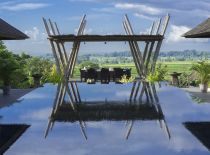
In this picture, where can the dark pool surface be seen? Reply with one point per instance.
(106, 137)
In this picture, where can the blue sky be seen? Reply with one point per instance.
(104, 17)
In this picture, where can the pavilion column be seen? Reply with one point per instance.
(63, 66)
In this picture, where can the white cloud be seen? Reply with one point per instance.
(88, 31)
(139, 7)
(33, 34)
(144, 16)
(147, 31)
(41, 114)
(175, 35)
(23, 6)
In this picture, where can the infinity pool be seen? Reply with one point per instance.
(106, 137)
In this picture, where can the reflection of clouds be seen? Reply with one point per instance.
(40, 115)
(123, 93)
(109, 137)
(146, 138)
(97, 125)
(36, 96)
(176, 104)
(183, 140)
(99, 91)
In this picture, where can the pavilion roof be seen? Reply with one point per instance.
(8, 32)
(200, 31)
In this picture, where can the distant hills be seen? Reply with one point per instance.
(126, 57)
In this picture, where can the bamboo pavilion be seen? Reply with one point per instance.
(145, 63)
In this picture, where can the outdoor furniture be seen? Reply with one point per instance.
(105, 76)
(127, 72)
(83, 75)
(91, 75)
(118, 73)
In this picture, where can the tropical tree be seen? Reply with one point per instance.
(8, 66)
(54, 77)
(38, 69)
(21, 79)
(202, 68)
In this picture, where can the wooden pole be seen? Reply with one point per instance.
(129, 129)
(138, 52)
(57, 101)
(78, 94)
(132, 90)
(62, 44)
(165, 24)
(76, 53)
(137, 90)
(133, 51)
(62, 59)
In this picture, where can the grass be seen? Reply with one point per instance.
(178, 66)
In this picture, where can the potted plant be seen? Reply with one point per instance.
(202, 69)
(125, 79)
(8, 66)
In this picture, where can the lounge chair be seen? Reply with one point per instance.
(118, 73)
(91, 75)
(83, 75)
(105, 76)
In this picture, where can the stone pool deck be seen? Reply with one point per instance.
(195, 91)
(15, 94)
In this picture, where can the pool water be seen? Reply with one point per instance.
(106, 137)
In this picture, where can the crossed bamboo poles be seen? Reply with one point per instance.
(150, 56)
(65, 66)
(145, 64)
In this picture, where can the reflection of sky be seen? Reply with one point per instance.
(106, 137)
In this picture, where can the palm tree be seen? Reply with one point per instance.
(202, 68)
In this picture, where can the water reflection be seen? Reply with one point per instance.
(106, 137)
(82, 111)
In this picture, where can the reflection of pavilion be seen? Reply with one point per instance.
(145, 62)
(129, 111)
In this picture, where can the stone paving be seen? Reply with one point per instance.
(195, 91)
